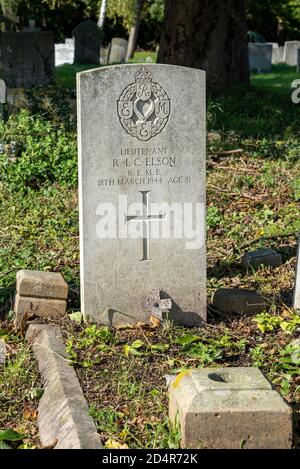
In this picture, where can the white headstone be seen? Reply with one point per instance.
(277, 52)
(296, 300)
(290, 52)
(298, 60)
(118, 50)
(260, 57)
(142, 192)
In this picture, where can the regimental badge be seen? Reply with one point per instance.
(143, 107)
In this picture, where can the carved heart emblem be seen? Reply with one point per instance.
(143, 109)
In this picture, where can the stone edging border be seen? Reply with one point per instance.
(63, 418)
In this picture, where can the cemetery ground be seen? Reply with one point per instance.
(253, 193)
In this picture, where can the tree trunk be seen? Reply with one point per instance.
(135, 29)
(207, 34)
(102, 14)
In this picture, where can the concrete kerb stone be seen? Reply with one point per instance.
(63, 418)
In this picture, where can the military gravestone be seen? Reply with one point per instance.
(87, 43)
(142, 192)
(27, 58)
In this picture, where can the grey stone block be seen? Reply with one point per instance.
(229, 408)
(234, 300)
(266, 256)
(27, 307)
(63, 411)
(40, 284)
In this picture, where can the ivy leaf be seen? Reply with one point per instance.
(160, 347)
(11, 435)
(133, 348)
(187, 339)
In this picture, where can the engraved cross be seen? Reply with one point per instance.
(146, 218)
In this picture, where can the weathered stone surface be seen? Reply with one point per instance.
(41, 284)
(296, 296)
(118, 50)
(229, 408)
(298, 60)
(2, 92)
(234, 300)
(2, 352)
(27, 307)
(142, 188)
(267, 257)
(260, 57)
(27, 59)
(290, 52)
(63, 410)
(87, 43)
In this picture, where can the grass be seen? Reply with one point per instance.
(20, 390)
(66, 74)
(253, 195)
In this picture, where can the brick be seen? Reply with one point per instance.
(229, 408)
(238, 301)
(26, 307)
(41, 284)
(266, 257)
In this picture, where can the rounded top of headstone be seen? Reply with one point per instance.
(86, 26)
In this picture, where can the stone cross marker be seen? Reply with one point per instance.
(142, 192)
(296, 300)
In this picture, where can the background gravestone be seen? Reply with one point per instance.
(260, 57)
(118, 50)
(142, 144)
(87, 43)
(64, 52)
(2, 98)
(298, 60)
(277, 52)
(290, 52)
(27, 59)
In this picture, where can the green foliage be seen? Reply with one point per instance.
(269, 323)
(45, 155)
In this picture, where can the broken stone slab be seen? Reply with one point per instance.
(2, 352)
(238, 301)
(27, 307)
(267, 257)
(42, 284)
(229, 408)
(63, 413)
